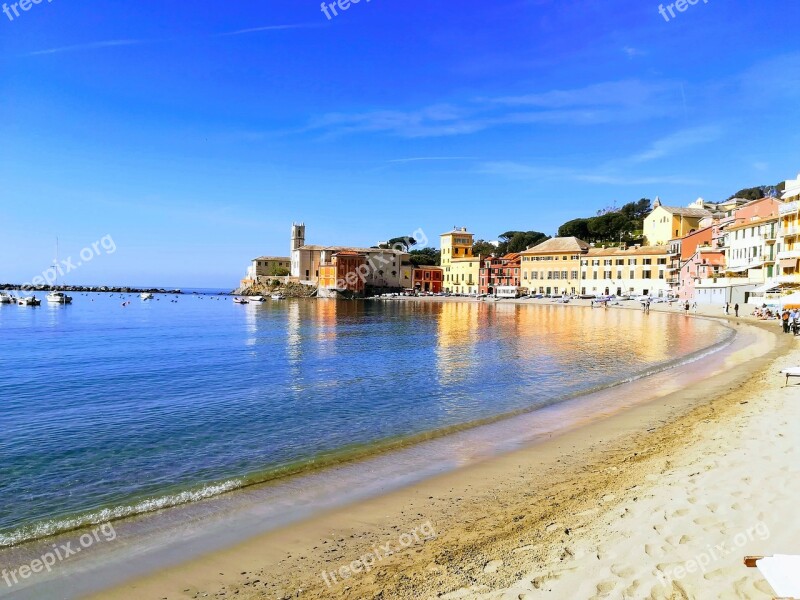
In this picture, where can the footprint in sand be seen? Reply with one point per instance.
(655, 551)
(493, 566)
(623, 571)
(681, 512)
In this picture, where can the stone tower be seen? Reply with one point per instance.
(298, 235)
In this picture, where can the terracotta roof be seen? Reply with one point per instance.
(698, 213)
(556, 245)
(629, 252)
(462, 231)
(281, 258)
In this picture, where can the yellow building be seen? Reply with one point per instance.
(634, 271)
(553, 267)
(667, 223)
(461, 268)
(788, 245)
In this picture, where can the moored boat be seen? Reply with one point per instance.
(6, 299)
(59, 298)
(240, 301)
(29, 301)
(278, 297)
(146, 296)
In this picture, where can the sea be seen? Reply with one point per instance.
(113, 407)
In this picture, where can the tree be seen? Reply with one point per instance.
(517, 241)
(483, 248)
(276, 271)
(405, 241)
(578, 228)
(426, 257)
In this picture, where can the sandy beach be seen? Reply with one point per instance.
(661, 501)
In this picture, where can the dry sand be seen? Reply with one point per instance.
(662, 501)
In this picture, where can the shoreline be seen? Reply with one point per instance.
(555, 461)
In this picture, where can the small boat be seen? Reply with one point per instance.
(278, 297)
(59, 298)
(29, 301)
(256, 299)
(6, 299)
(146, 296)
(240, 301)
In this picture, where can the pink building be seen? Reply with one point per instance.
(707, 263)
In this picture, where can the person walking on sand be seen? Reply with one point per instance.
(736, 309)
(785, 320)
(727, 308)
(686, 307)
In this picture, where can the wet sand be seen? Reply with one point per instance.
(617, 508)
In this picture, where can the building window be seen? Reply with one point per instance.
(646, 274)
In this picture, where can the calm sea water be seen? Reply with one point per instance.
(109, 410)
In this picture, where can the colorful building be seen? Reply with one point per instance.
(553, 267)
(389, 269)
(623, 271)
(497, 271)
(342, 273)
(461, 269)
(701, 274)
(427, 278)
(667, 223)
(788, 246)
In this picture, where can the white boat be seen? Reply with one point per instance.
(278, 297)
(256, 299)
(240, 301)
(146, 296)
(29, 301)
(6, 299)
(55, 297)
(59, 298)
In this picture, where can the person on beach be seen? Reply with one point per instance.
(727, 308)
(785, 320)
(736, 309)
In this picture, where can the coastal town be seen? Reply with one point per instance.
(738, 251)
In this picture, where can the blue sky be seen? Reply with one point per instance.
(195, 133)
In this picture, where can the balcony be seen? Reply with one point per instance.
(793, 278)
(789, 208)
(788, 254)
(789, 231)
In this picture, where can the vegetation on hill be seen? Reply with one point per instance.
(623, 224)
(426, 257)
(761, 191)
(509, 242)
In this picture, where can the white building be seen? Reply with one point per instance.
(792, 190)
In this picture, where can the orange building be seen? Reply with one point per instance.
(345, 273)
(499, 271)
(427, 278)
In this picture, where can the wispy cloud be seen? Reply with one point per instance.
(270, 28)
(90, 46)
(429, 158)
(133, 42)
(521, 171)
(678, 141)
(610, 102)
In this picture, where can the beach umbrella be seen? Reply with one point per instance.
(791, 301)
